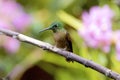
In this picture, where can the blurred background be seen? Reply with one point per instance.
(92, 24)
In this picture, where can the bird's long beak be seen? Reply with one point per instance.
(45, 29)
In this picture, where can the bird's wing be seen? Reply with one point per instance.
(69, 42)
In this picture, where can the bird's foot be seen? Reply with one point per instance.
(68, 59)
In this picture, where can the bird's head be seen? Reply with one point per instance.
(54, 27)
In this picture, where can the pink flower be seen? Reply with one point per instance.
(11, 45)
(118, 51)
(12, 16)
(97, 30)
(116, 37)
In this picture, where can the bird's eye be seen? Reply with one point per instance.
(56, 26)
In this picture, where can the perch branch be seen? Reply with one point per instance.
(46, 46)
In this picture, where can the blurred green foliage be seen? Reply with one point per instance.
(44, 12)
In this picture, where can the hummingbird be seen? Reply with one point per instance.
(61, 37)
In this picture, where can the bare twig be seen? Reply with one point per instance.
(46, 46)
